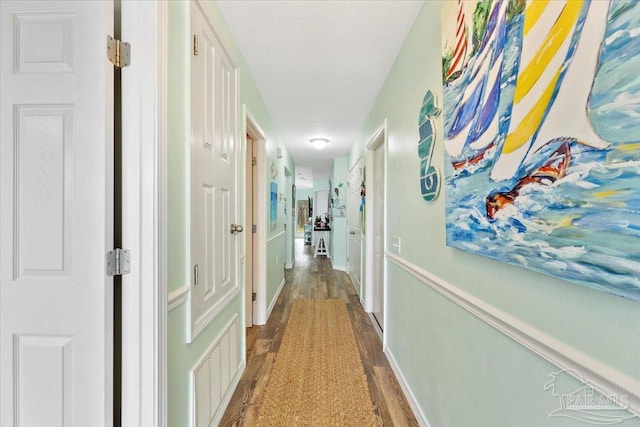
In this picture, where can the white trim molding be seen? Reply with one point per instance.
(275, 237)
(144, 294)
(178, 297)
(203, 321)
(602, 377)
(253, 129)
(377, 139)
(290, 266)
(408, 393)
(338, 267)
(275, 298)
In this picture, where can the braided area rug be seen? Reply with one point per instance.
(318, 378)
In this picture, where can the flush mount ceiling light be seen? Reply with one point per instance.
(319, 143)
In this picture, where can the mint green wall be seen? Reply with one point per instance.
(461, 371)
(339, 224)
(181, 356)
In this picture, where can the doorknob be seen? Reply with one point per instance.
(235, 229)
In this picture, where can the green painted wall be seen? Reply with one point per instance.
(461, 371)
(181, 356)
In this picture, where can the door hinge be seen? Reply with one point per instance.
(118, 262)
(253, 296)
(118, 52)
(254, 161)
(195, 45)
(254, 228)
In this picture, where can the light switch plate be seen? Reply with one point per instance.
(395, 244)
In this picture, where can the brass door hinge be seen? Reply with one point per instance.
(118, 52)
(253, 296)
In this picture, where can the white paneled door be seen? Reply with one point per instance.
(56, 191)
(214, 218)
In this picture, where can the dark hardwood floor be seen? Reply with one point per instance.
(314, 278)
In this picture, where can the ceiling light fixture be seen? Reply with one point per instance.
(319, 143)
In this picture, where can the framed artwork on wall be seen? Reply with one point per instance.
(273, 214)
(542, 137)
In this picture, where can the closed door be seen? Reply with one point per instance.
(354, 267)
(56, 214)
(378, 235)
(214, 221)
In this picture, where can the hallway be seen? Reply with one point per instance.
(314, 278)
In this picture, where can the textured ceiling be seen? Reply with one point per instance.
(319, 65)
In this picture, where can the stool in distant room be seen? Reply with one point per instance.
(322, 243)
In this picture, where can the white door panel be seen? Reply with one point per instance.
(56, 192)
(213, 175)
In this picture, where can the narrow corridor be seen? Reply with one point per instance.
(315, 279)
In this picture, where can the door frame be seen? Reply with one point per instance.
(253, 129)
(358, 286)
(378, 138)
(144, 215)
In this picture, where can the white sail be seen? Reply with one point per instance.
(547, 104)
(455, 144)
(484, 71)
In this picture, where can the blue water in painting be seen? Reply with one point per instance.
(586, 226)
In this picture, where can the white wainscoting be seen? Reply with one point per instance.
(215, 377)
(600, 376)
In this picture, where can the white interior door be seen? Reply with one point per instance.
(354, 266)
(378, 234)
(56, 198)
(214, 113)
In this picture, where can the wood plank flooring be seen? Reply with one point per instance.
(314, 278)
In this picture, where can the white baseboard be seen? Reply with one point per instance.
(339, 267)
(275, 298)
(374, 322)
(290, 266)
(417, 411)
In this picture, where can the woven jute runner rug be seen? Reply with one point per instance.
(318, 378)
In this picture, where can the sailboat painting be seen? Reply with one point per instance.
(541, 103)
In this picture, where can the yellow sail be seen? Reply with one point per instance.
(547, 106)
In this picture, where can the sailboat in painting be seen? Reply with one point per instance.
(461, 50)
(541, 135)
(542, 102)
(475, 125)
(557, 65)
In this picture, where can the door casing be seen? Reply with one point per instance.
(377, 139)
